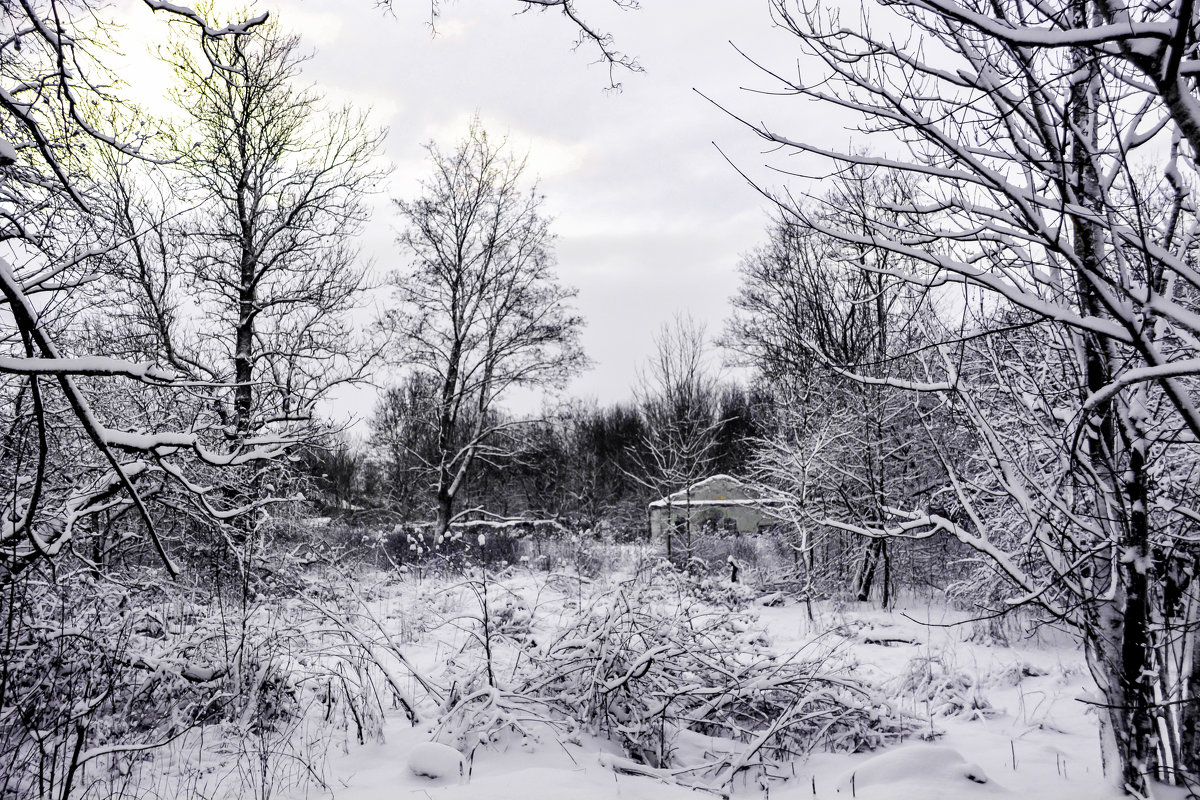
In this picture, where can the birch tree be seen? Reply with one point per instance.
(1050, 155)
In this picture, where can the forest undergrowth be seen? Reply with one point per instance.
(130, 687)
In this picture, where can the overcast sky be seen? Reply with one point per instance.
(650, 219)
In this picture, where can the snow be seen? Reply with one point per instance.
(437, 761)
(740, 502)
(891, 774)
(887, 635)
(1036, 739)
(722, 485)
(1033, 685)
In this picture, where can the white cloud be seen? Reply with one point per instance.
(454, 28)
(318, 29)
(553, 158)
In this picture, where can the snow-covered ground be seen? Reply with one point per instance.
(985, 719)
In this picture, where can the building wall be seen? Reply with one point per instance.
(746, 518)
(719, 502)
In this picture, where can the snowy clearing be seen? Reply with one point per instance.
(560, 694)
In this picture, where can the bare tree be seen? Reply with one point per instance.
(244, 269)
(1048, 176)
(280, 182)
(53, 118)
(806, 313)
(480, 308)
(677, 394)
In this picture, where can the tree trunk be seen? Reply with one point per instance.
(864, 577)
(244, 493)
(445, 512)
(885, 598)
(1121, 646)
(243, 366)
(1125, 760)
(688, 526)
(1183, 605)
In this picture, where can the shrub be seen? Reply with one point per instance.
(656, 670)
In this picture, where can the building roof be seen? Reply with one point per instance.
(717, 490)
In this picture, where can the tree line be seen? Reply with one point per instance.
(587, 466)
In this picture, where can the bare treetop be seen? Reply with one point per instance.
(480, 308)
(54, 116)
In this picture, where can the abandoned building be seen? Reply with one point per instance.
(720, 503)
